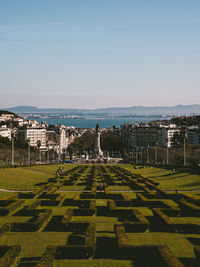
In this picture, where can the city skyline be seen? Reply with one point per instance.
(91, 54)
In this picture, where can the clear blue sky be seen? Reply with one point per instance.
(99, 53)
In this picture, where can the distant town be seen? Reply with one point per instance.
(55, 140)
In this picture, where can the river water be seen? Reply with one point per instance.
(103, 122)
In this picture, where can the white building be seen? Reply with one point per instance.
(35, 135)
(165, 137)
(6, 117)
(63, 140)
(5, 132)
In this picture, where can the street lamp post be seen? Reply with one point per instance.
(167, 155)
(147, 155)
(13, 150)
(141, 156)
(136, 156)
(29, 153)
(184, 151)
(156, 154)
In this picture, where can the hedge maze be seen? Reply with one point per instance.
(99, 212)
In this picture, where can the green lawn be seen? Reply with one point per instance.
(28, 176)
(33, 244)
(178, 244)
(169, 179)
(93, 263)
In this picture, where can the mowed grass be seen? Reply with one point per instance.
(33, 244)
(169, 179)
(178, 244)
(28, 176)
(93, 263)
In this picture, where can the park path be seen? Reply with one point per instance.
(112, 191)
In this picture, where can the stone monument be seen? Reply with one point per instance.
(97, 150)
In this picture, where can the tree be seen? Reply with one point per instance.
(178, 138)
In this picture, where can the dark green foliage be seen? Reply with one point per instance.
(34, 224)
(122, 238)
(197, 251)
(11, 207)
(109, 142)
(10, 255)
(67, 217)
(4, 228)
(48, 257)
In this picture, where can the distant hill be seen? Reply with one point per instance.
(115, 111)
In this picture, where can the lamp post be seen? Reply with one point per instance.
(141, 156)
(156, 154)
(184, 151)
(13, 150)
(167, 155)
(147, 154)
(29, 152)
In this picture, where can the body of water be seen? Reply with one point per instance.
(103, 122)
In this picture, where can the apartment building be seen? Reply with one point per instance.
(35, 135)
(193, 136)
(144, 136)
(5, 132)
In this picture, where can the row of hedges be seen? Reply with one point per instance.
(189, 209)
(55, 201)
(141, 225)
(48, 257)
(164, 223)
(11, 207)
(4, 229)
(79, 245)
(34, 224)
(67, 217)
(10, 255)
(122, 238)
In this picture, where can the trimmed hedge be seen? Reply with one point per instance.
(10, 256)
(189, 209)
(86, 208)
(122, 238)
(111, 205)
(67, 217)
(168, 257)
(197, 251)
(11, 207)
(48, 257)
(141, 225)
(80, 244)
(34, 224)
(4, 229)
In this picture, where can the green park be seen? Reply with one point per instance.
(99, 215)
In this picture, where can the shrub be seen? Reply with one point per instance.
(111, 204)
(10, 256)
(189, 209)
(122, 238)
(34, 224)
(141, 225)
(68, 215)
(11, 207)
(197, 251)
(48, 257)
(26, 195)
(4, 228)
(168, 257)
(77, 196)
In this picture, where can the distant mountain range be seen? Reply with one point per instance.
(115, 111)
